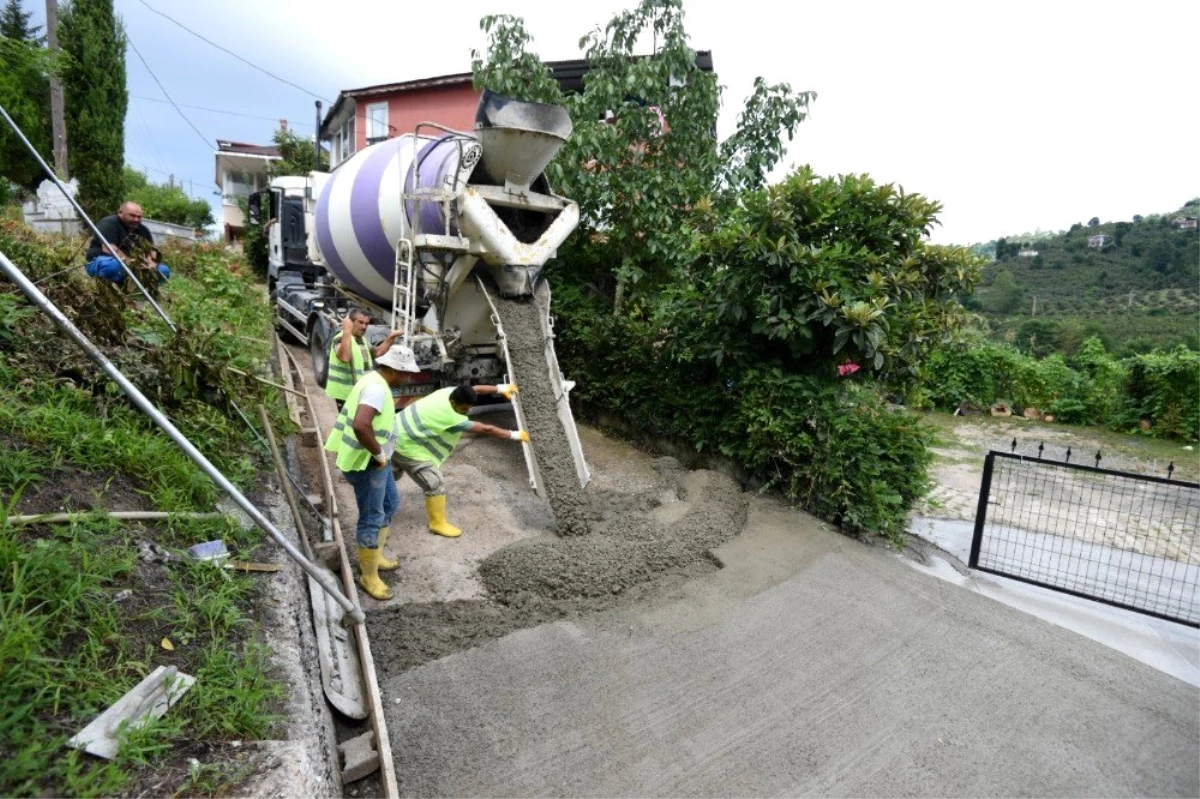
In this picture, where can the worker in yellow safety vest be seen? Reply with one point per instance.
(350, 355)
(428, 431)
(364, 438)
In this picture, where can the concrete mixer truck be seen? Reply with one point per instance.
(428, 232)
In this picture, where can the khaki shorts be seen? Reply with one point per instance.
(423, 473)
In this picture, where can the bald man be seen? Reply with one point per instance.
(125, 232)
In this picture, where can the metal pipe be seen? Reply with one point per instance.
(33, 151)
(353, 611)
(317, 143)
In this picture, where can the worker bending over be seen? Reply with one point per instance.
(364, 438)
(429, 429)
(350, 356)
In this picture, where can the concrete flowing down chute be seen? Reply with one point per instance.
(428, 230)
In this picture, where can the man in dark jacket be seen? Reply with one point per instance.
(125, 233)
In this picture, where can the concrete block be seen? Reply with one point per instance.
(359, 758)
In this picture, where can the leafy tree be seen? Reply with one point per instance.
(165, 203)
(1120, 231)
(1005, 296)
(296, 154)
(815, 271)
(25, 94)
(1095, 220)
(1001, 249)
(93, 41)
(14, 23)
(1137, 218)
(1160, 257)
(636, 179)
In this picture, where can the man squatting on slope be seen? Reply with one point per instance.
(350, 356)
(125, 232)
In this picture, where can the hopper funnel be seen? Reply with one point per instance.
(519, 138)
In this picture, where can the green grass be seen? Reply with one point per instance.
(69, 651)
(68, 647)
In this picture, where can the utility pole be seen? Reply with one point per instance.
(58, 125)
(171, 180)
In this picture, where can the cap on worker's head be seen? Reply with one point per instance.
(400, 358)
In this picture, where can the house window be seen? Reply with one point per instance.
(377, 124)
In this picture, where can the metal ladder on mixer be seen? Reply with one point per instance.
(404, 289)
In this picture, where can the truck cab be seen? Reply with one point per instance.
(280, 209)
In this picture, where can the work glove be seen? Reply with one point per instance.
(519, 435)
(507, 390)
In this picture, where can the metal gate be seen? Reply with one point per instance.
(1124, 539)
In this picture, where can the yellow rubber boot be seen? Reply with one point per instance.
(436, 508)
(386, 565)
(368, 561)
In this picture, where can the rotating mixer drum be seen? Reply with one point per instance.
(359, 214)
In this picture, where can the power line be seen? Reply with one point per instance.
(230, 52)
(219, 111)
(137, 115)
(179, 179)
(207, 143)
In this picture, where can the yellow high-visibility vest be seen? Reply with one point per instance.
(343, 376)
(351, 455)
(430, 428)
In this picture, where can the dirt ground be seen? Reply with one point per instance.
(1062, 499)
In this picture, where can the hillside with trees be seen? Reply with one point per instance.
(1137, 288)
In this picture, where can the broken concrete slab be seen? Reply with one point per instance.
(149, 699)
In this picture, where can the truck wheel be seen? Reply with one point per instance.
(318, 348)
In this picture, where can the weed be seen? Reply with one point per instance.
(68, 651)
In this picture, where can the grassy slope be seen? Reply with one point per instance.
(1143, 291)
(82, 617)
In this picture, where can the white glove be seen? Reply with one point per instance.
(379, 459)
(518, 435)
(506, 390)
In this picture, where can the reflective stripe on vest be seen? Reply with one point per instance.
(427, 428)
(351, 455)
(342, 376)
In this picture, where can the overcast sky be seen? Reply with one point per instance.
(1016, 116)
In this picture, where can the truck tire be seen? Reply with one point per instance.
(318, 348)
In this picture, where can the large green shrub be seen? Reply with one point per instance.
(1164, 388)
(834, 447)
(1092, 388)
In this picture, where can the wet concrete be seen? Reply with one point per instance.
(810, 664)
(573, 513)
(1168, 646)
(639, 541)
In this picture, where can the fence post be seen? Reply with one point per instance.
(985, 488)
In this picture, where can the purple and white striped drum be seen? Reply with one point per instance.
(359, 214)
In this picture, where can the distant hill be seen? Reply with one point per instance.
(1135, 283)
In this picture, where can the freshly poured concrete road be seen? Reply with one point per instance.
(809, 665)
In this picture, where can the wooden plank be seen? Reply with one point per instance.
(294, 408)
(149, 699)
(331, 508)
(387, 766)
